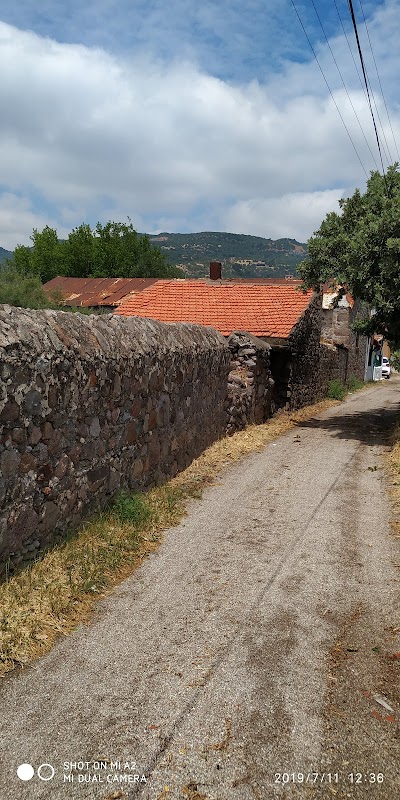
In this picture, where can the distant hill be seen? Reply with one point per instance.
(4, 254)
(241, 255)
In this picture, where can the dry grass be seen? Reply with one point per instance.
(394, 471)
(60, 590)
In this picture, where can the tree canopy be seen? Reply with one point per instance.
(360, 248)
(113, 250)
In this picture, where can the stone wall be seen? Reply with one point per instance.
(337, 330)
(304, 343)
(250, 383)
(333, 365)
(336, 326)
(90, 405)
(317, 359)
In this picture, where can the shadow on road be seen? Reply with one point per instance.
(370, 427)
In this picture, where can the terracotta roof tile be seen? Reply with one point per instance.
(261, 309)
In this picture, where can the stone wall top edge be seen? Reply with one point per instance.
(48, 330)
(259, 344)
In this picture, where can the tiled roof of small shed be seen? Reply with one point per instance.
(88, 292)
(261, 309)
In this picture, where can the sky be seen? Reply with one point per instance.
(189, 117)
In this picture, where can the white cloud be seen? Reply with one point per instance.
(292, 216)
(86, 134)
(17, 221)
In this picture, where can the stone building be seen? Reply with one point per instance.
(275, 312)
(339, 313)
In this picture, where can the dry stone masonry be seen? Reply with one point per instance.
(90, 405)
(250, 384)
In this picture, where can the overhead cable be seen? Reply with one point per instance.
(344, 85)
(329, 88)
(385, 147)
(380, 84)
(351, 52)
(366, 83)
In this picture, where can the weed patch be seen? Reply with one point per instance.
(133, 509)
(354, 384)
(336, 389)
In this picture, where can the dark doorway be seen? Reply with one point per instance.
(281, 369)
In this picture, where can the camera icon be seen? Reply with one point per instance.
(45, 772)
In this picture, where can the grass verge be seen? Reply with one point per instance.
(338, 390)
(394, 470)
(59, 591)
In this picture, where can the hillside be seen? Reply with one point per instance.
(4, 254)
(242, 256)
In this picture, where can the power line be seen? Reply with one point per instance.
(329, 88)
(351, 53)
(386, 148)
(345, 87)
(380, 86)
(366, 84)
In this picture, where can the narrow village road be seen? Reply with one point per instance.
(247, 650)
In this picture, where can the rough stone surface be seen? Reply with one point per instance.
(90, 405)
(250, 384)
(314, 355)
(342, 349)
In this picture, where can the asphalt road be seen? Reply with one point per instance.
(244, 659)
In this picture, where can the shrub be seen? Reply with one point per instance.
(354, 383)
(24, 291)
(336, 389)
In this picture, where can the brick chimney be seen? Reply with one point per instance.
(215, 270)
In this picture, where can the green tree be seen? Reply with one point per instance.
(116, 246)
(113, 250)
(360, 249)
(22, 260)
(122, 253)
(46, 257)
(80, 252)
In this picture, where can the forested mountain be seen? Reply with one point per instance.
(241, 255)
(4, 254)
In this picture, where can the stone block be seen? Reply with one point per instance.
(50, 515)
(10, 412)
(9, 463)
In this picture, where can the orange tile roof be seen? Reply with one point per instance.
(263, 310)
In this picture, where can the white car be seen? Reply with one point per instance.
(385, 367)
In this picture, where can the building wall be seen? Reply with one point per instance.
(304, 343)
(336, 326)
(333, 365)
(90, 405)
(250, 383)
(337, 330)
